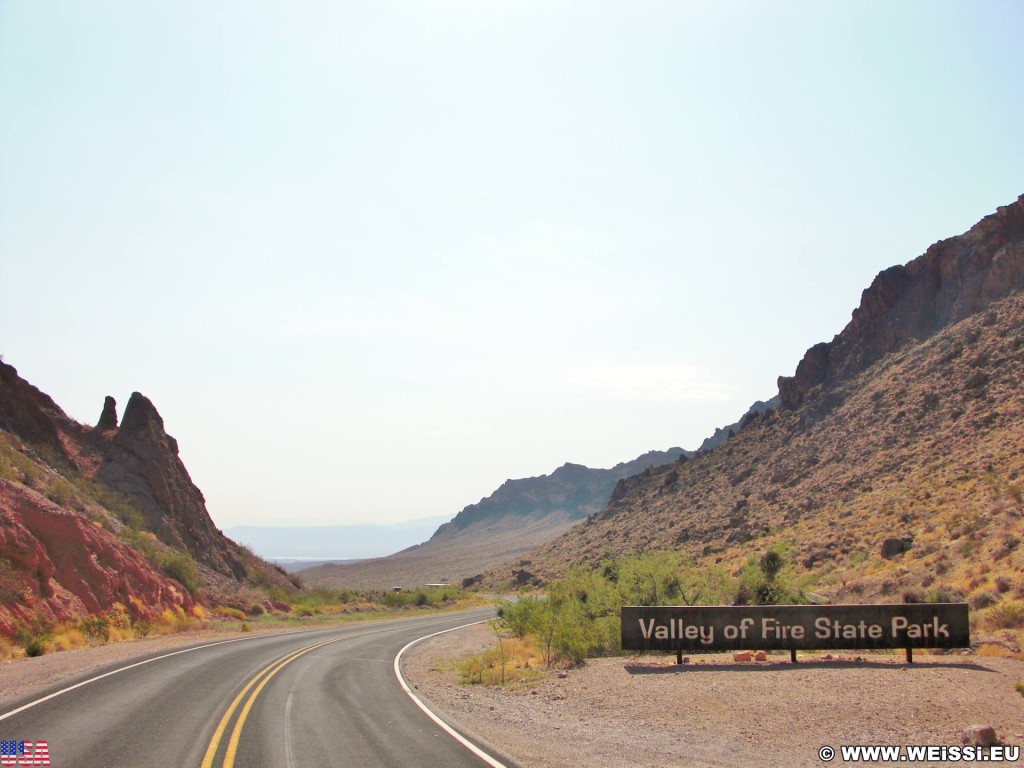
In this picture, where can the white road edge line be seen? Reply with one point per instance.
(62, 691)
(491, 761)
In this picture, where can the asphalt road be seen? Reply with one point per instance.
(302, 700)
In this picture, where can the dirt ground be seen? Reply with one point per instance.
(646, 711)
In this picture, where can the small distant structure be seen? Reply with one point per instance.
(397, 589)
(438, 584)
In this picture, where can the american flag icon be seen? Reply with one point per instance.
(18, 753)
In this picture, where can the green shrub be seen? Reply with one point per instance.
(943, 594)
(96, 627)
(35, 647)
(182, 568)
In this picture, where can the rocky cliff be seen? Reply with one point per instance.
(908, 425)
(952, 280)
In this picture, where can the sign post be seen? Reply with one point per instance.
(795, 627)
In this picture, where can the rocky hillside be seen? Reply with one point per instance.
(94, 516)
(519, 515)
(893, 467)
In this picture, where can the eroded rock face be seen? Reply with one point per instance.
(954, 279)
(140, 460)
(57, 565)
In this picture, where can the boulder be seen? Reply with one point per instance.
(893, 547)
(980, 736)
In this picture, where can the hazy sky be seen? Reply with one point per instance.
(371, 259)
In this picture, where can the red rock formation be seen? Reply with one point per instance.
(57, 565)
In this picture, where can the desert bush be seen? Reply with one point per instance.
(421, 597)
(769, 580)
(943, 594)
(35, 647)
(117, 617)
(1009, 614)
(96, 627)
(983, 600)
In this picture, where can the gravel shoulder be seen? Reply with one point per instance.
(646, 711)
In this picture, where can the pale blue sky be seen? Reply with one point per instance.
(371, 259)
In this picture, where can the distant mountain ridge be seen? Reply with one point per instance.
(572, 489)
(517, 516)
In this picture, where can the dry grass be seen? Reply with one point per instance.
(512, 660)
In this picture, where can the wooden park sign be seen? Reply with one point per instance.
(795, 627)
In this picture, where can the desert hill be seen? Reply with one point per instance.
(893, 467)
(96, 516)
(519, 515)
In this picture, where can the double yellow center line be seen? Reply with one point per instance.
(258, 682)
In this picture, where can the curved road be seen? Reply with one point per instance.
(325, 697)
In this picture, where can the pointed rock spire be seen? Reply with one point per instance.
(108, 419)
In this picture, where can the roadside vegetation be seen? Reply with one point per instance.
(316, 607)
(578, 618)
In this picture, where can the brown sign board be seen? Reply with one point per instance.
(795, 627)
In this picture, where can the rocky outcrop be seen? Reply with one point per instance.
(954, 279)
(141, 462)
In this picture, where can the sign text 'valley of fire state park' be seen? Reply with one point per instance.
(795, 627)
